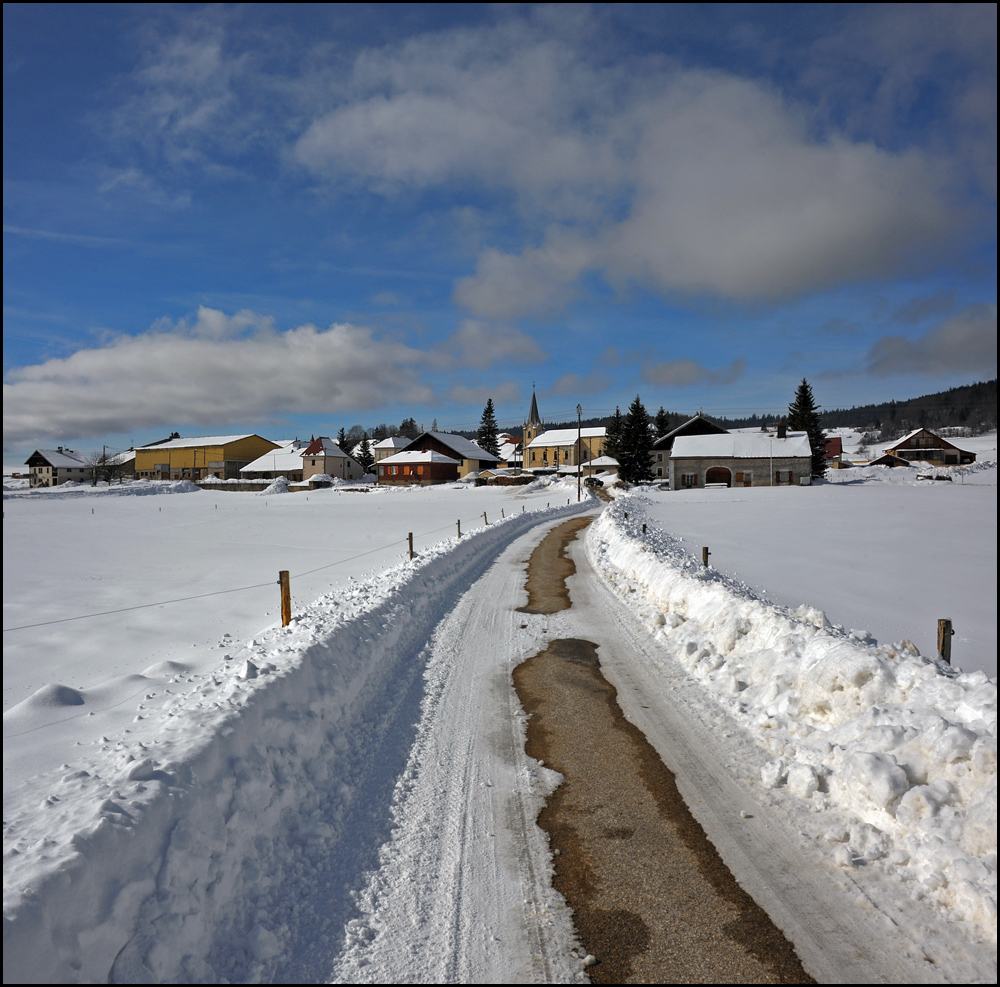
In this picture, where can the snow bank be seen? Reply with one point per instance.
(161, 859)
(894, 752)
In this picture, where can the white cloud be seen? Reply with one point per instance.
(211, 371)
(685, 373)
(480, 345)
(967, 342)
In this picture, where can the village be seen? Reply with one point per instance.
(696, 453)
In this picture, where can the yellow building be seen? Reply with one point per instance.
(195, 458)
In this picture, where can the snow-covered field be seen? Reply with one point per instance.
(878, 551)
(72, 552)
(194, 795)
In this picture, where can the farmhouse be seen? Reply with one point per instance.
(565, 447)
(50, 467)
(417, 466)
(195, 458)
(470, 457)
(925, 446)
(284, 461)
(662, 447)
(324, 457)
(739, 459)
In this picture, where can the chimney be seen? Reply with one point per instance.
(782, 429)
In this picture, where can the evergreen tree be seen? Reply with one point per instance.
(662, 422)
(634, 463)
(613, 436)
(408, 428)
(803, 416)
(364, 456)
(342, 440)
(488, 431)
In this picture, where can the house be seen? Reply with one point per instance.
(470, 457)
(390, 446)
(284, 461)
(925, 446)
(660, 453)
(50, 467)
(323, 457)
(195, 458)
(562, 447)
(418, 467)
(742, 459)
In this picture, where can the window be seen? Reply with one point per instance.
(689, 479)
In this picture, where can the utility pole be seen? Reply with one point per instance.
(579, 455)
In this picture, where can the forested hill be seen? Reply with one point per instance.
(972, 405)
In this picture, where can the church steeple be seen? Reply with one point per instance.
(533, 424)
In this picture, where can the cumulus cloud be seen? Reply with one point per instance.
(686, 373)
(967, 342)
(578, 385)
(733, 196)
(213, 369)
(502, 392)
(479, 345)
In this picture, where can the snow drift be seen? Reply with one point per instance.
(894, 752)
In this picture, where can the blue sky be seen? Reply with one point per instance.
(292, 218)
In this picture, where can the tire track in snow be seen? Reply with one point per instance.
(462, 892)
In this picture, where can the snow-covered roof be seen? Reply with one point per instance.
(287, 457)
(393, 442)
(603, 461)
(566, 436)
(416, 456)
(324, 446)
(945, 443)
(203, 440)
(60, 458)
(741, 445)
(464, 448)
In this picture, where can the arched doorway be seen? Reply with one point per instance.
(719, 474)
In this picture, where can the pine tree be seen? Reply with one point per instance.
(662, 422)
(803, 416)
(488, 431)
(613, 436)
(364, 456)
(634, 464)
(342, 440)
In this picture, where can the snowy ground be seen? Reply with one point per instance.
(874, 548)
(348, 798)
(70, 552)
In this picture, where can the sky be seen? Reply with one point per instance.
(288, 219)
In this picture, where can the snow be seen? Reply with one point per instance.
(891, 755)
(194, 794)
(210, 819)
(741, 445)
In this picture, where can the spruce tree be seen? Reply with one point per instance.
(364, 456)
(488, 431)
(613, 435)
(634, 463)
(803, 416)
(662, 422)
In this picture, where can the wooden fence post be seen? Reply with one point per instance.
(484, 519)
(944, 639)
(286, 597)
(409, 538)
(705, 553)
(459, 523)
